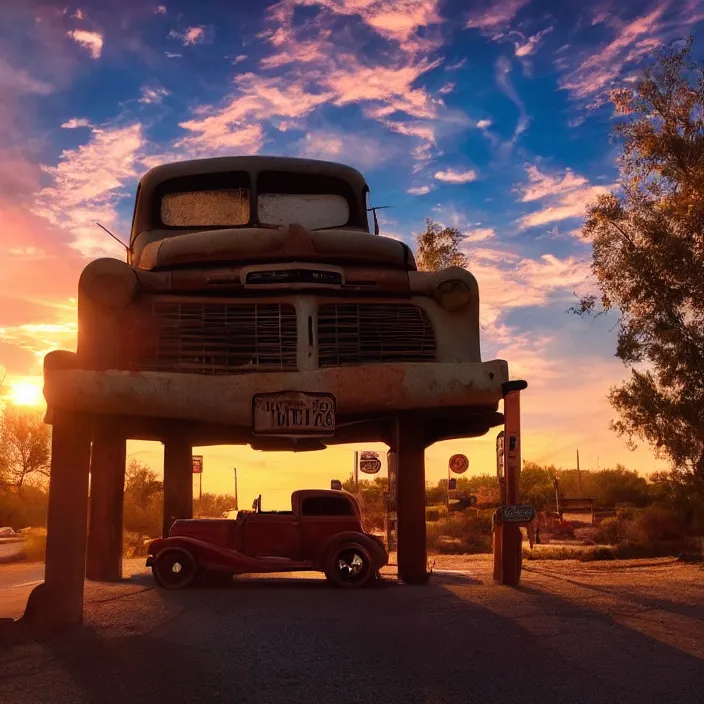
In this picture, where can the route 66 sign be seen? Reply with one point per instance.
(369, 462)
(459, 464)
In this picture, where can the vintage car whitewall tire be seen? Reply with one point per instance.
(174, 568)
(349, 565)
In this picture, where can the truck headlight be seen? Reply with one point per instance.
(109, 282)
(453, 295)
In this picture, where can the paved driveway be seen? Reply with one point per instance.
(572, 633)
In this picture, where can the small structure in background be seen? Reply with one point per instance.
(580, 510)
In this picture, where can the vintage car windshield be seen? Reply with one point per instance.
(215, 208)
(311, 210)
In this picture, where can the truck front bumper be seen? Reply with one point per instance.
(227, 399)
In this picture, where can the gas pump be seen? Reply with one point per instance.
(510, 515)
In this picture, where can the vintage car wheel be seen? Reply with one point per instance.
(174, 568)
(349, 565)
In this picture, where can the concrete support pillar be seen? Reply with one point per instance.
(507, 536)
(107, 490)
(59, 600)
(409, 447)
(178, 480)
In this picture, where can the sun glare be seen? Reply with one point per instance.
(25, 393)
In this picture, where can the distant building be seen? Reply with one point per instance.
(581, 510)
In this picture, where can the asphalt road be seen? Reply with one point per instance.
(572, 633)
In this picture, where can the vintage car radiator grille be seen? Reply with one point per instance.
(216, 338)
(368, 333)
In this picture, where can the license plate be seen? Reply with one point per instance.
(293, 414)
(517, 513)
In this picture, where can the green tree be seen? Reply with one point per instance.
(537, 486)
(439, 247)
(25, 446)
(212, 505)
(648, 259)
(144, 499)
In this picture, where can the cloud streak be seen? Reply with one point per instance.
(453, 176)
(566, 196)
(92, 41)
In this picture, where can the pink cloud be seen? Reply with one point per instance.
(153, 94)
(18, 81)
(396, 20)
(493, 16)
(528, 46)
(390, 87)
(633, 41)
(453, 176)
(567, 196)
(92, 41)
(38, 279)
(541, 185)
(479, 234)
(419, 190)
(508, 281)
(191, 35)
(76, 122)
(87, 183)
(358, 150)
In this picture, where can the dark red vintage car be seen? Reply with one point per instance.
(323, 531)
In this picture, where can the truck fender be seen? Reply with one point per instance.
(375, 550)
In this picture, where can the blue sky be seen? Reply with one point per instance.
(488, 116)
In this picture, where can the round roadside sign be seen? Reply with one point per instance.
(459, 464)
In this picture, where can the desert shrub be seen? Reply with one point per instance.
(626, 511)
(658, 523)
(134, 544)
(145, 520)
(609, 531)
(23, 509)
(34, 547)
(435, 513)
(587, 535)
(461, 533)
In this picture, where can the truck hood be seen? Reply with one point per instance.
(293, 243)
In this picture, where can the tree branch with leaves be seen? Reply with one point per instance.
(648, 259)
(439, 247)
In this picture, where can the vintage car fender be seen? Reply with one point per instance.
(206, 555)
(377, 549)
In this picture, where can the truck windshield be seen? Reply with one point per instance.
(310, 210)
(215, 208)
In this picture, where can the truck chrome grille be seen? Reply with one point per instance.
(370, 333)
(217, 338)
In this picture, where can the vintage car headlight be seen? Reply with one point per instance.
(453, 295)
(109, 282)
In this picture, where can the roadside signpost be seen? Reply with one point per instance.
(369, 462)
(458, 464)
(197, 461)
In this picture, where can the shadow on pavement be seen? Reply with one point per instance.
(305, 642)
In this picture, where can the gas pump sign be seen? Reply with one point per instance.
(500, 455)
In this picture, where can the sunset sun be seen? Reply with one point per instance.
(26, 393)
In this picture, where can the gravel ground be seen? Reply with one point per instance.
(622, 631)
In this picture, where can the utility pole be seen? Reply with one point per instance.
(237, 507)
(579, 478)
(448, 490)
(356, 471)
